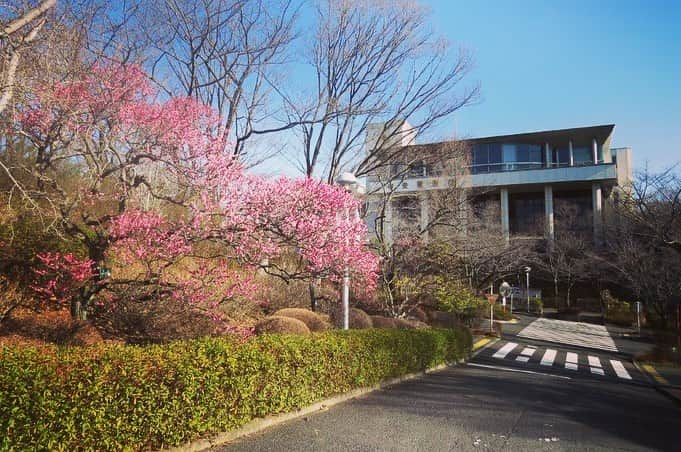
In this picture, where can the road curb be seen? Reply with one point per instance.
(482, 344)
(657, 385)
(258, 425)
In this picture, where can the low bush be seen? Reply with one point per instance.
(500, 313)
(404, 324)
(113, 397)
(380, 321)
(283, 325)
(617, 311)
(313, 321)
(440, 319)
(359, 320)
(409, 324)
(418, 314)
(453, 296)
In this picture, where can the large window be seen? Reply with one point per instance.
(560, 156)
(583, 154)
(573, 211)
(527, 216)
(493, 157)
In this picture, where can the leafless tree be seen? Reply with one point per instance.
(374, 62)
(229, 54)
(571, 256)
(20, 24)
(643, 235)
(653, 204)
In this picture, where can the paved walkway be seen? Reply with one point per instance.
(572, 333)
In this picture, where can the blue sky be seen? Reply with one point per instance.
(559, 64)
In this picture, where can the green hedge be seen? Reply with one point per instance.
(128, 397)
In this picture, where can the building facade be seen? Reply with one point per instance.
(527, 178)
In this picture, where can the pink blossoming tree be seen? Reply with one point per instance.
(154, 190)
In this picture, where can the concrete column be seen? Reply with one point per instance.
(547, 150)
(597, 205)
(594, 148)
(548, 208)
(388, 223)
(425, 209)
(505, 228)
(572, 154)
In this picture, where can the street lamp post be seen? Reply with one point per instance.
(527, 273)
(349, 182)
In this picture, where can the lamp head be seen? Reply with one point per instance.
(347, 180)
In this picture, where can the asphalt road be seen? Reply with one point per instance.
(495, 403)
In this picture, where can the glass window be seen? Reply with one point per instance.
(417, 169)
(582, 155)
(480, 159)
(561, 156)
(527, 213)
(495, 156)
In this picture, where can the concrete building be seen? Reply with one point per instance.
(525, 176)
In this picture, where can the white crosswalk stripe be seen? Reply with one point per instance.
(571, 361)
(526, 354)
(505, 350)
(548, 358)
(619, 369)
(595, 365)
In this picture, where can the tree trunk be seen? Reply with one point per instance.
(313, 297)
(79, 307)
(568, 294)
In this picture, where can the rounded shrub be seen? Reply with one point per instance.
(418, 325)
(359, 320)
(404, 324)
(281, 325)
(313, 321)
(441, 319)
(380, 321)
(418, 314)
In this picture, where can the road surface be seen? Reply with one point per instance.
(524, 392)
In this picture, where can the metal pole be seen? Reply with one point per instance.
(346, 299)
(491, 318)
(528, 291)
(345, 302)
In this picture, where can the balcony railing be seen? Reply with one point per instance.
(482, 168)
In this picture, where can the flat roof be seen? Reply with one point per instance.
(600, 132)
(555, 137)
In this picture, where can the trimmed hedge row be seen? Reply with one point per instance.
(109, 397)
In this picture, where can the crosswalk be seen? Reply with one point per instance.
(572, 333)
(549, 358)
